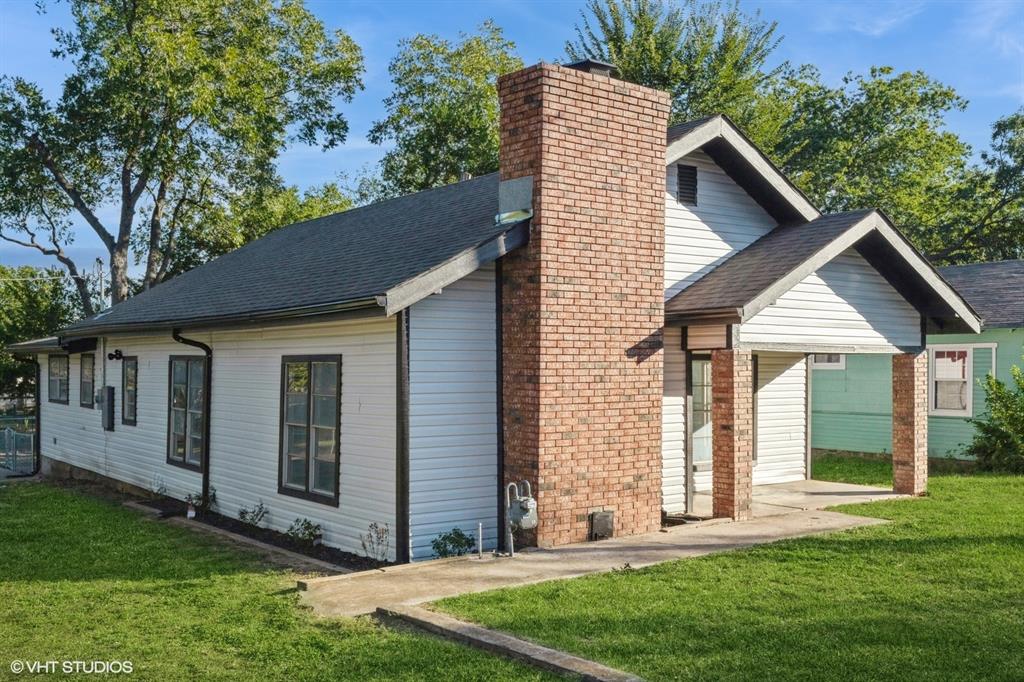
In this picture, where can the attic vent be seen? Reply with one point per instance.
(686, 179)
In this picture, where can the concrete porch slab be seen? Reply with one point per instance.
(787, 498)
(362, 593)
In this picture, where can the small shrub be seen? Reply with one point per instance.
(158, 487)
(998, 443)
(254, 516)
(306, 531)
(452, 543)
(375, 542)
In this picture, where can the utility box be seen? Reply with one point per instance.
(602, 525)
(107, 401)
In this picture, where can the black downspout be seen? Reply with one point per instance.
(207, 393)
(37, 441)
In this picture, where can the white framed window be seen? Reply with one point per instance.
(950, 381)
(828, 361)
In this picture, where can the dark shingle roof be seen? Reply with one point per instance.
(341, 258)
(680, 129)
(747, 273)
(995, 290)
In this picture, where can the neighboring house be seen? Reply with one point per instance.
(852, 403)
(620, 317)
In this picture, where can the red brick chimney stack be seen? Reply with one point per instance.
(583, 302)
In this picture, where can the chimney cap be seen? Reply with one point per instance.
(594, 66)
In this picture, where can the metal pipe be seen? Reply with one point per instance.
(207, 402)
(479, 540)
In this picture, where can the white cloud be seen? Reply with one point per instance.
(873, 19)
(998, 24)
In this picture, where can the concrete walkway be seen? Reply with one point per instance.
(410, 584)
(786, 498)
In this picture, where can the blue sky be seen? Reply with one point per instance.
(976, 47)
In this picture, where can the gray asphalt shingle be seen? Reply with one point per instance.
(994, 290)
(747, 273)
(340, 258)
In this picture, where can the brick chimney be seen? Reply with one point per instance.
(582, 303)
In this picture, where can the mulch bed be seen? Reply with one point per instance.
(171, 507)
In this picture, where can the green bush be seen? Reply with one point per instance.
(453, 543)
(998, 443)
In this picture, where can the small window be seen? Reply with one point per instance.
(87, 380)
(686, 184)
(828, 361)
(310, 426)
(57, 385)
(129, 390)
(950, 378)
(186, 440)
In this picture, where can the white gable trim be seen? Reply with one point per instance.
(721, 127)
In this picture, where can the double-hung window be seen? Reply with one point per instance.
(950, 375)
(186, 427)
(310, 426)
(129, 390)
(57, 379)
(87, 380)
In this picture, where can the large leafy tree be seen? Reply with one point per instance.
(879, 141)
(171, 106)
(34, 302)
(710, 56)
(987, 222)
(442, 116)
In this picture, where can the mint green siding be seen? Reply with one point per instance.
(852, 408)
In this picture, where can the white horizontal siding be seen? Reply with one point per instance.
(781, 418)
(698, 238)
(245, 423)
(245, 426)
(845, 303)
(673, 429)
(453, 438)
(133, 454)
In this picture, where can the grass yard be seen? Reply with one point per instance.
(85, 579)
(936, 594)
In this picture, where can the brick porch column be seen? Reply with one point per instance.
(910, 423)
(732, 440)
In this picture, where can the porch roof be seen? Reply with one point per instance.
(753, 278)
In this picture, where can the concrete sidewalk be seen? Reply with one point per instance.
(362, 593)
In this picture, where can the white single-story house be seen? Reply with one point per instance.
(619, 315)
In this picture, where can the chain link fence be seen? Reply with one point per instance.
(16, 451)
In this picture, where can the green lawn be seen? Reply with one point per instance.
(936, 594)
(85, 579)
(846, 469)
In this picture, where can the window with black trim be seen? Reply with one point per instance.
(186, 429)
(87, 380)
(129, 390)
(310, 427)
(686, 184)
(57, 379)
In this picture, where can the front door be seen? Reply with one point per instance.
(699, 423)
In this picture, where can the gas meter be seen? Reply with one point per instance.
(520, 510)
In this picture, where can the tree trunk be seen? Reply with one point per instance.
(119, 273)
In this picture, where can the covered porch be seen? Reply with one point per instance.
(736, 430)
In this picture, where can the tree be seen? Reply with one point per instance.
(443, 114)
(171, 107)
(34, 302)
(989, 221)
(711, 57)
(880, 141)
